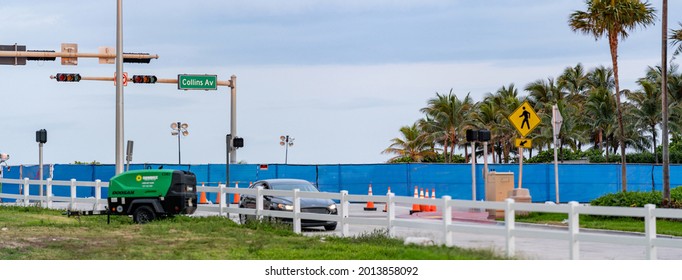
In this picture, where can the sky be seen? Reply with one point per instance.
(339, 76)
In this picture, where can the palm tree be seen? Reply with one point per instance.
(449, 117)
(613, 19)
(676, 39)
(412, 146)
(646, 111)
(601, 107)
(574, 82)
(489, 117)
(505, 100)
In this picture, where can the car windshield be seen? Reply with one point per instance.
(290, 186)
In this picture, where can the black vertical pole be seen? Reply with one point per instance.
(179, 161)
(228, 145)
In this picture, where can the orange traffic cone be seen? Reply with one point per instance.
(370, 204)
(415, 207)
(217, 198)
(422, 207)
(386, 205)
(235, 197)
(202, 198)
(433, 196)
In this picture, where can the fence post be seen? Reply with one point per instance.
(573, 231)
(259, 203)
(447, 220)
(650, 231)
(221, 205)
(391, 214)
(27, 190)
(49, 193)
(345, 231)
(98, 194)
(297, 211)
(509, 220)
(72, 204)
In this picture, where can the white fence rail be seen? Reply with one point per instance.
(571, 235)
(26, 199)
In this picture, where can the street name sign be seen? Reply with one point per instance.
(197, 82)
(524, 119)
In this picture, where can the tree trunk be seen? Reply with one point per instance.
(613, 44)
(653, 133)
(445, 151)
(492, 152)
(466, 154)
(606, 148)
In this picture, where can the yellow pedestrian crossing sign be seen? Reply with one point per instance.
(524, 119)
(523, 142)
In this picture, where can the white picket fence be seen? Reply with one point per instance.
(572, 235)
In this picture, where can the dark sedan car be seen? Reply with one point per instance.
(308, 205)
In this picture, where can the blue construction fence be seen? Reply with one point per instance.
(578, 182)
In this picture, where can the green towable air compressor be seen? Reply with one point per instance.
(148, 194)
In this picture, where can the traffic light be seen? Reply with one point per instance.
(472, 135)
(144, 79)
(136, 60)
(68, 77)
(41, 58)
(41, 136)
(238, 142)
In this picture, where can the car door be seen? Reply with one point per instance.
(249, 201)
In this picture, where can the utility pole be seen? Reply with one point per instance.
(233, 114)
(664, 105)
(119, 87)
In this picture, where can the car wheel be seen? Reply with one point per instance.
(143, 215)
(330, 227)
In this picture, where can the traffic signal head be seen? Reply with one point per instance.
(63, 77)
(472, 135)
(484, 135)
(238, 142)
(144, 79)
(136, 60)
(41, 136)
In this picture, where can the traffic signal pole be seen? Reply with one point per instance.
(150, 79)
(158, 81)
(119, 87)
(44, 55)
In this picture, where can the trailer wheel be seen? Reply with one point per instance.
(143, 215)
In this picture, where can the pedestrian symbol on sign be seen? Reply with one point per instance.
(524, 119)
(525, 115)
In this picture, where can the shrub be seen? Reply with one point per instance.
(639, 199)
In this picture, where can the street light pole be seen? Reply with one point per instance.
(119, 87)
(179, 129)
(286, 141)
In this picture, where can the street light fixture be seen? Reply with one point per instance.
(179, 129)
(286, 141)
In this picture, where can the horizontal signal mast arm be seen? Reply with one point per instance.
(69, 54)
(158, 81)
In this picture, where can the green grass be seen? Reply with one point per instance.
(668, 227)
(31, 233)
